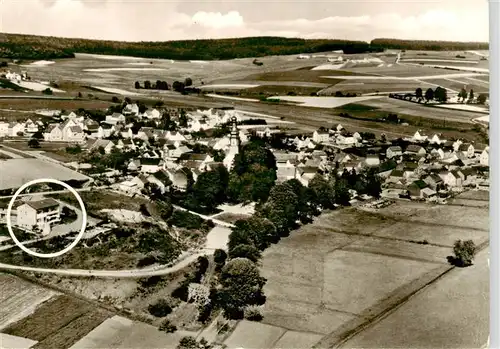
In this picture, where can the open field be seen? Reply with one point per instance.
(20, 171)
(118, 332)
(54, 150)
(53, 104)
(19, 299)
(451, 313)
(322, 102)
(335, 272)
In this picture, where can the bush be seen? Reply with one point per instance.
(253, 314)
(464, 252)
(184, 219)
(167, 326)
(205, 312)
(47, 91)
(160, 309)
(148, 260)
(181, 292)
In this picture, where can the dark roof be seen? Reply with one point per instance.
(464, 146)
(420, 184)
(41, 204)
(396, 173)
(162, 176)
(150, 161)
(413, 148)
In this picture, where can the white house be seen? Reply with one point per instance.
(467, 149)
(15, 128)
(152, 114)
(131, 109)
(321, 136)
(484, 158)
(151, 165)
(102, 143)
(53, 133)
(415, 149)
(4, 128)
(30, 126)
(372, 160)
(394, 151)
(436, 140)
(419, 137)
(451, 178)
(38, 214)
(115, 118)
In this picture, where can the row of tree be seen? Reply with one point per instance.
(177, 86)
(440, 94)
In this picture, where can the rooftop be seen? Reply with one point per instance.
(41, 204)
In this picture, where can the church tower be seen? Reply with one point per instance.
(234, 138)
(234, 144)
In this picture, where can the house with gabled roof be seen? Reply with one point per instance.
(484, 158)
(414, 149)
(419, 137)
(15, 128)
(321, 136)
(415, 189)
(467, 149)
(305, 174)
(451, 178)
(131, 109)
(435, 139)
(468, 175)
(105, 144)
(151, 165)
(433, 181)
(4, 128)
(393, 151)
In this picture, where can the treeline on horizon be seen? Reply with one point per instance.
(17, 46)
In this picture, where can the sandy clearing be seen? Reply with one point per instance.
(297, 340)
(218, 238)
(125, 215)
(117, 91)
(35, 86)
(465, 107)
(199, 62)
(328, 67)
(442, 76)
(454, 67)
(323, 102)
(478, 53)
(228, 86)
(435, 60)
(40, 63)
(138, 63)
(230, 97)
(98, 70)
(111, 57)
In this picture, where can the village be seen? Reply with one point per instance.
(417, 167)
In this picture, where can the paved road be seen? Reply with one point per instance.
(131, 273)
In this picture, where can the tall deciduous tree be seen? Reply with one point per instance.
(429, 94)
(241, 284)
(419, 93)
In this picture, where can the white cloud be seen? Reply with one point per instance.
(161, 20)
(218, 20)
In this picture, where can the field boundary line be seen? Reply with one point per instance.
(423, 260)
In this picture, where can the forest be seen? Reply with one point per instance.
(17, 46)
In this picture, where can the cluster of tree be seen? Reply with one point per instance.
(74, 149)
(189, 342)
(209, 190)
(159, 85)
(47, 91)
(43, 47)
(427, 45)
(160, 308)
(116, 159)
(253, 173)
(154, 240)
(185, 219)
(3, 64)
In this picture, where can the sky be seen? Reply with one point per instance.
(163, 20)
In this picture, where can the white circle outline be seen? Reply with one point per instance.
(54, 254)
